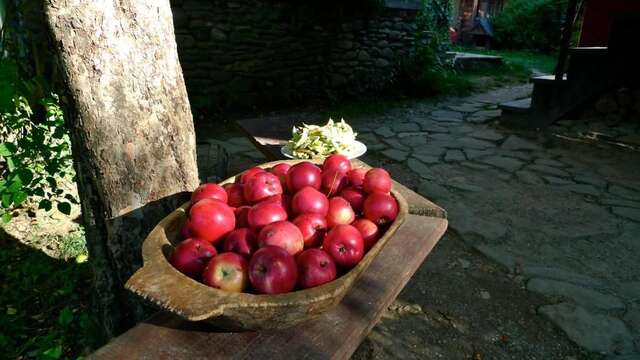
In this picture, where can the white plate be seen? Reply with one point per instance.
(355, 151)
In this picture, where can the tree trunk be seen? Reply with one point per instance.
(132, 133)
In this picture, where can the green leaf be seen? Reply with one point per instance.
(15, 185)
(53, 353)
(70, 197)
(45, 204)
(6, 217)
(19, 197)
(10, 163)
(38, 192)
(25, 175)
(52, 182)
(66, 316)
(64, 208)
(6, 200)
(6, 149)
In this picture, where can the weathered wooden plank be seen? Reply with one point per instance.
(335, 335)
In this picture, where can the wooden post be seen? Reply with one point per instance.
(474, 12)
(567, 30)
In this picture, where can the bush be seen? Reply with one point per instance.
(35, 153)
(530, 24)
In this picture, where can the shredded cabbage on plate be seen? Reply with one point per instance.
(313, 141)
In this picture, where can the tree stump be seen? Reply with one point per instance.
(132, 133)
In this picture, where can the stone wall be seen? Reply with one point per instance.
(258, 53)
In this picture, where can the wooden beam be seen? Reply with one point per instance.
(335, 335)
(474, 12)
(567, 30)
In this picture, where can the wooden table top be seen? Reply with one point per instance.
(334, 335)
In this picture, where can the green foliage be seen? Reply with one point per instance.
(436, 16)
(530, 24)
(44, 308)
(520, 62)
(35, 153)
(428, 73)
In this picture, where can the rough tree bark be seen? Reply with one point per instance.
(132, 132)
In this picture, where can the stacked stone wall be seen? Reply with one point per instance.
(257, 53)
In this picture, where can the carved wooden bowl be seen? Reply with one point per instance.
(161, 284)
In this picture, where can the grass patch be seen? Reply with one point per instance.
(45, 302)
(519, 60)
(517, 67)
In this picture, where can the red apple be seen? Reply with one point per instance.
(380, 208)
(309, 200)
(333, 181)
(355, 197)
(281, 170)
(208, 191)
(265, 213)
(315, 267)
(227, 271)
(345, 245)
(241, 241)
(211, 220)
(337, 162)
(283, 199)
(313, 227)
(234, 194)
(272, 270)
(260, 186)
(286, 202)
(242, 214)
(303, 174)
(377, 180)
(249, 173)
(356, 176)
(283, 234)
(369, 231)
(340, 212)
(191, 256)
(186, 230)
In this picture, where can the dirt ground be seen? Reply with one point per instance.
(459, 305)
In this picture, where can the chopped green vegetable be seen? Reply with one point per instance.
(313, 141)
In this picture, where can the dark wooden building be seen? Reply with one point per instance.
(472, 20)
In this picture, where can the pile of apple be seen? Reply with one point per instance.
(287, 227)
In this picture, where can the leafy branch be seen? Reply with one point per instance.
(35, 153)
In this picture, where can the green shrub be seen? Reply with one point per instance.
(35, 153)
(530, 24)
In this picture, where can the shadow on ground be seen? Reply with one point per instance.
(44, 304)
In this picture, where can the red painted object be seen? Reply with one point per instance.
(599, 16)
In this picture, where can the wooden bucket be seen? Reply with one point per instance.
(161, 284)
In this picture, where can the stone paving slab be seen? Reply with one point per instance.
(595, 332)
(514, 142)
(502, 162)
(582, 296)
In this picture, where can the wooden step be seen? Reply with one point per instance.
(516, 106)
(594, 50)
(545, 79)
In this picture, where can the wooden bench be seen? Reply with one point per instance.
(336, 334)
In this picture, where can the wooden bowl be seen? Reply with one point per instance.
(161, 284)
